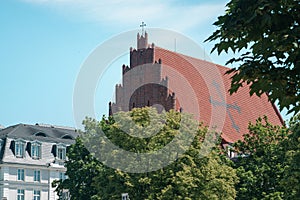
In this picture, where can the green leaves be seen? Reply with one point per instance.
(189, 177)
(270, 168)
(266, 33)
(267, 169)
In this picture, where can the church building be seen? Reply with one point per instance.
(169, 80)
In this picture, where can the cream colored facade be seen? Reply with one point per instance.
(32, 157)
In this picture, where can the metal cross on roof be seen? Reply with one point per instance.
(228, 106)
(143, 25)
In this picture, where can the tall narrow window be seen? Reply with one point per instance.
(21, 176)
(62, 176)
(21, 194)
(36, 195)
(37, 175)
(36, 150)
(61, 152)
(19, 149)
(1, 143)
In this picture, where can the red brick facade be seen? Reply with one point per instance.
(142, 82)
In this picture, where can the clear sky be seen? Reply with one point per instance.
(44, 43)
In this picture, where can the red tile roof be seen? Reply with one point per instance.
(203, 86)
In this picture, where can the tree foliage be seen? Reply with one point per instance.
(82, 167)
(189, 177)
(269, 167)
(291, 179)
(261, 167)
(267, 35)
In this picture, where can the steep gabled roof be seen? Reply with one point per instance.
(210, 86)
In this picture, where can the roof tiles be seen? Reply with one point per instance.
(203, 86)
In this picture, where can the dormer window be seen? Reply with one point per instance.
(20, 148)
(61, 152)
(35, 150)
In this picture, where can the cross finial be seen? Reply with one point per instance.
(143, 25)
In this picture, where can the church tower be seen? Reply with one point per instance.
(142, 81)
(142, 40)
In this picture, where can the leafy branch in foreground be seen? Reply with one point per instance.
(266, 34)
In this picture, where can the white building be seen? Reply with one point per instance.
(31, 158)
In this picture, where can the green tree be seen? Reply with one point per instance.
(82, 167)
(266, 34)
(189, 177)
(291, 179)
(262, 164)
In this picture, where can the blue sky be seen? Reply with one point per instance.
(44, 43)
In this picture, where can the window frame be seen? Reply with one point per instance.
(20, 148)
(62, 176)
(36, 153)
(20, 194)
(63, 149)
(37, 175)
(21, 174)
(36, 195)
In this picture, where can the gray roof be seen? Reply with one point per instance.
(47, 135)
(39, 132)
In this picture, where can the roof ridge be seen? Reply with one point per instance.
(199, 59)
(16, 128)
(13, 127)
(43, 125)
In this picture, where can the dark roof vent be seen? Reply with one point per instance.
(67, 137)
(41, 134)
